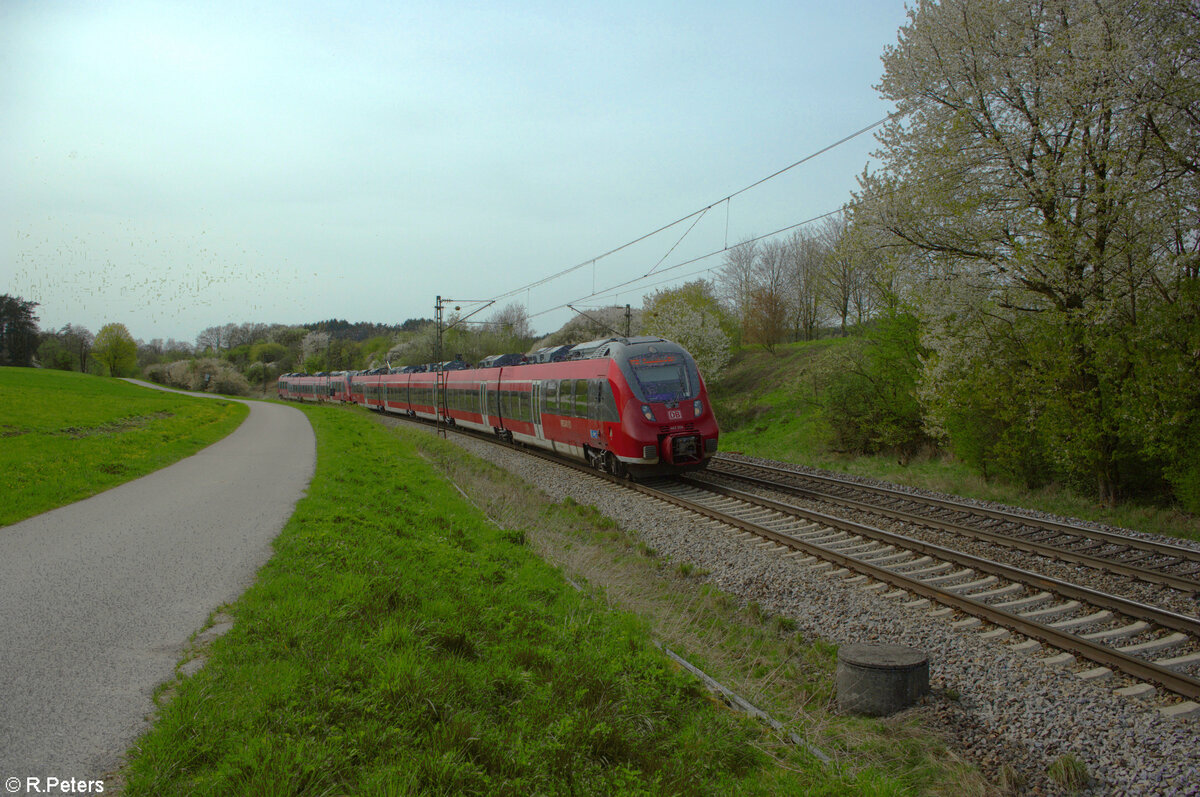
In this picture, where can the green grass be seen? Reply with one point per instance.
(754, 652)
(67, 436)
(400, 643)
(769, 406)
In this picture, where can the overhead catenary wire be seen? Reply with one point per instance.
(695, 214)
(627, 284)
(616, 288)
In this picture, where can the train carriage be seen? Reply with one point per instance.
(625, 405)
(630, 405)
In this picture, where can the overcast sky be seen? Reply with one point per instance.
(173, 166)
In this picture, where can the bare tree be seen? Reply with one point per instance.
(512, 320)
(209, 339)
(737, 279)
(805, 261)
(841, 274)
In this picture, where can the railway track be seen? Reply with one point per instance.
(1117, 635)
(1151, 561)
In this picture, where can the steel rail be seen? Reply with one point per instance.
(1163, 548)
(1142, 611)
(1181, 583)
(1175, 682)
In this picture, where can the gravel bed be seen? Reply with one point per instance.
(1113, 583)
(1000, 707)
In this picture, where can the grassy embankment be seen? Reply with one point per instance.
(769, 406)
(67, 436)
(399, 642)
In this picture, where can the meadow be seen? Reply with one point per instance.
(65, 436)
(410, 636)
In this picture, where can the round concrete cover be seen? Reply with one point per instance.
(881, 657)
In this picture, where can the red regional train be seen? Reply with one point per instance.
(635, 406)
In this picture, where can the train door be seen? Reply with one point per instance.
(483, 407)
(535, 398)
(595, 427)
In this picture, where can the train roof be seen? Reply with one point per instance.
(613, 347)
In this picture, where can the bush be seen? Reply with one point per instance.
(156, 373)
(207, 374)
(230, 382)
(870, 398)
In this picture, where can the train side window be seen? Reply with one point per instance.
(550, 396)
(581, 399)
(566, 404)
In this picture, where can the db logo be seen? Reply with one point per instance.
(674, 415)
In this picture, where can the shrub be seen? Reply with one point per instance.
(230, 382)
(156, 373)
(870, 398)
(205, 374)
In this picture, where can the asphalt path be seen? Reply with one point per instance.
(99, 598)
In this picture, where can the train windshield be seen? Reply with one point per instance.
(663, 376)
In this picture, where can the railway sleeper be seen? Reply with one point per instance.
(1120, 632)
(1095, 674)
(1050, 611)
(950, 576)
(1162, 643)
(842, 546)
(864, 547)
(1007, 589)
(824, 537)
(1179, 663)
(1090, 545)
(879, 560)
(928, 571)
(1031, 600)
(919, 561)
(976, 584)
(1089, 619)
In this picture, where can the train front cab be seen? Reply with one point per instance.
(665, 409)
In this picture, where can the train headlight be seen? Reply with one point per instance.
(698, 407)
(647, 413)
